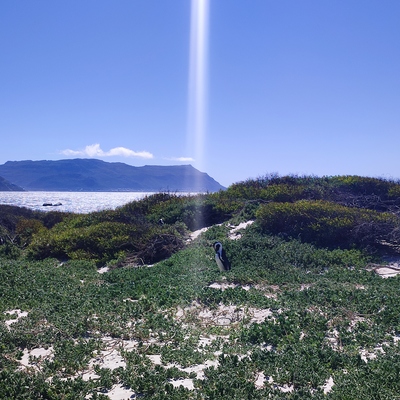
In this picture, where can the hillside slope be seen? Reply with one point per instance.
(289, 321)
(6, 186)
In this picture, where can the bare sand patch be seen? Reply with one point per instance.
(196, 234)
(32, 359)
(371, 355)
(118, 392)
(235, 234)
(327, 387)
(222, 285)
(155, 359)
(260, 380)
(186, 382)
(110, 357)
(223, 315)
(226, 285)
(17, 315)
(333, 339)
(389, 270)
(305, 286)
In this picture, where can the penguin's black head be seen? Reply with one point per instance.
(217, 246)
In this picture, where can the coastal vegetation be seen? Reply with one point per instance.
(131, 301)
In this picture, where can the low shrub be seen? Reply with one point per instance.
(26, 228)
(350, 190)
(100, 241)
(359, 185)
(194, 211)
(105, 241)
(327, 224)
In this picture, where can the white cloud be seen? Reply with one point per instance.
(95, 150)
(181, 159)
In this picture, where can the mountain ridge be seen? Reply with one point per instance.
(97, 175)
(7, 186)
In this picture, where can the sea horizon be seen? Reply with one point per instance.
(77, 202)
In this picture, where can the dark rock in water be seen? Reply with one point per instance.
(51, 204)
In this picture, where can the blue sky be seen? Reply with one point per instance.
(303, 87)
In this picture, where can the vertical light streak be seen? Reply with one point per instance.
(197, 113)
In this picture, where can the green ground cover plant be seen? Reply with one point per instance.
(301, 308)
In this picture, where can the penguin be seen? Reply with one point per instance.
(220, 257)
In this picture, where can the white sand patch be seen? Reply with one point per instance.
(196, 234)
(333, 339)
(366, 355)
(354, 321)
(89, 376)
(222, 285)
(235, 234)
(17, 313)
(371, 355)
(180, 312)
(225, 285)
(34, 358)
(118, 392)
(206, 341)
(265, 346)
(223, 315)
(187, 383)
(285, 388)
(155, 359)
(327, 387)
(392, 268)
(106, 359)
(110, 357)
(199, 368)
(387, 272)
(259, 315)
(130, 300)
(260, 380)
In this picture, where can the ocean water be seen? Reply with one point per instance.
(78, 202)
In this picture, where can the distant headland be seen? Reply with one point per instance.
(98, 176)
